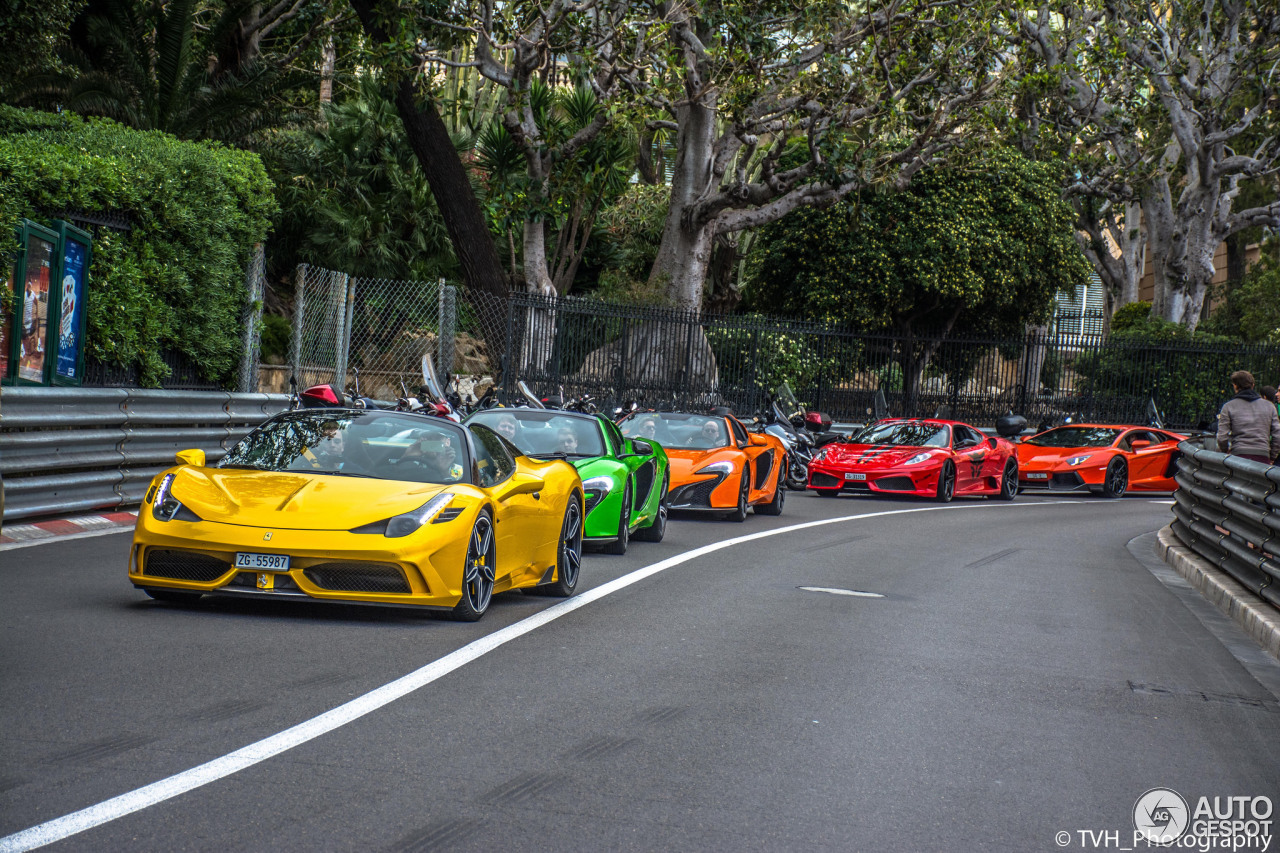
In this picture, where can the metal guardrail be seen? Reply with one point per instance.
(76, 449)
(1228, 511)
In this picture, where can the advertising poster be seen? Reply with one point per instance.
(35, 309)
(71, 297)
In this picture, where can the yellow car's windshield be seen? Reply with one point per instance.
(379, 445)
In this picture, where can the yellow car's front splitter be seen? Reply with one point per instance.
(423, 569)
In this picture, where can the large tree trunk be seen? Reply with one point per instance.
(684, 254)
(463, 218)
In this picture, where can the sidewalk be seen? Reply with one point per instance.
(17, 535)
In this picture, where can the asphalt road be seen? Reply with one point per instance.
(1022, 675)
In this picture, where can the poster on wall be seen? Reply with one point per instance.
(35, 309)
(71, 302)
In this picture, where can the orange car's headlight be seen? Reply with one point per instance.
(725, 468)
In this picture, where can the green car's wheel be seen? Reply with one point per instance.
(173, 596)
(658, 529)
(619, 546)
(569, 556)
(477, 572)
(774, 507)
(1008, 483)
(947, 483)
(740, 511)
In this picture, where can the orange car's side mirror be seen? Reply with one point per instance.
(1138, 445)
(757, 440)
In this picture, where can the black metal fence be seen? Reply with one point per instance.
(668, 358)
(184, 375)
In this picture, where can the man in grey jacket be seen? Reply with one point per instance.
(1248, 425)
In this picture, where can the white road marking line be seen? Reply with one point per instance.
(1162, 503)
(219, 768)
(841, 591)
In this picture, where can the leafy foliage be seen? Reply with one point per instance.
(176, 280)
(1185, 372)
(982, 248)
(353, 196)
(1128, 316)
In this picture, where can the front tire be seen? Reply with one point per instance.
(569, 553)
(739, 513)
(774, 507)
(619, 546)
(1008, 483)
(478, 571)
(1115, 482)
(946, 483)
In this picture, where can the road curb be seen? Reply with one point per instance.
(16, 535)
(1258, 618)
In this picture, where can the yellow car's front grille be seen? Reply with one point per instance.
(184, 565)
(358, 577)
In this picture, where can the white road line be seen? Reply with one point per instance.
(219, 768)
(854, 592)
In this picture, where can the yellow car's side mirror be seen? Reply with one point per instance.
(520, 484)
(195, 457)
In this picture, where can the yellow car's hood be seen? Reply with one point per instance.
(295, 500)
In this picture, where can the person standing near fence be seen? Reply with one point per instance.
(1248, 424)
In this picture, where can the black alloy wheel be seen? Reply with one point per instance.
(569, 553)
(947, 483)
(774, 507)
(740, 511)
(478, 572)
(619, 546)
(1116, 480)
(1008, 482)
(657, 529)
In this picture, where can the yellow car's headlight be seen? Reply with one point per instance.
(403, 525)
(165, 507)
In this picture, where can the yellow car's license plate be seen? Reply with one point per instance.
(275, 562)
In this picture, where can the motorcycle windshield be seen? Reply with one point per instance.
(783, 421)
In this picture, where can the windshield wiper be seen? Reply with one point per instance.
(344, 474)
(243, 467)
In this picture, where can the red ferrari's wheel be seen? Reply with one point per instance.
(1008, 482)
(946, 483)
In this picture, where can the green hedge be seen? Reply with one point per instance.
(176, 280)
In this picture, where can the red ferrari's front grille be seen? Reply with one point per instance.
(896, 484)
(824, 481)
(184, 566)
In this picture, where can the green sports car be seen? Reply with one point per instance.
(624, 480)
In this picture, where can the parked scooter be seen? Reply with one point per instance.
(800, 446)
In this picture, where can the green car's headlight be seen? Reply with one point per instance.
(594, 489)
(433, 510)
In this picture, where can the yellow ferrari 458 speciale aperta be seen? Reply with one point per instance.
(367, 506)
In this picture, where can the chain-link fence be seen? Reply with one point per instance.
(378, 330)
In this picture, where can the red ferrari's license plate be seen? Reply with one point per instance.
(855, 476)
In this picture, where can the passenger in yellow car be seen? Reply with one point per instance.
(329, 453)
(435, 458)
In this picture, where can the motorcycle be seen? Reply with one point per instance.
(800, 446)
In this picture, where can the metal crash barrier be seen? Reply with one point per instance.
(1228, 511)
(78, 449)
